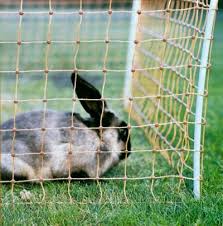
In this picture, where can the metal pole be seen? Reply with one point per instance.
(200, 98)
(131, 49)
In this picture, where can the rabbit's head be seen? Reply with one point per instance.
(115, 136)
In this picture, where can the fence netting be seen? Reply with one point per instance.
(43, 42)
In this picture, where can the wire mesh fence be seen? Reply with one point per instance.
(43, 42)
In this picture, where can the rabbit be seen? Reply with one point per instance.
(58, 150)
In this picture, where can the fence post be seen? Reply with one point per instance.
(131, 48)
(200, 98)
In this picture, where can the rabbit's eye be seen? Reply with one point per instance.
(123, 133)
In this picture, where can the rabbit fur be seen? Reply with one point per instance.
(56, 149)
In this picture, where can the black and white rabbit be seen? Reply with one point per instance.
(64, 147)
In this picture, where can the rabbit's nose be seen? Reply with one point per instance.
(124, 154)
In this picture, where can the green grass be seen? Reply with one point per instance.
(172, 208)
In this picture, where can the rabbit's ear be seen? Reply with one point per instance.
(85, 90)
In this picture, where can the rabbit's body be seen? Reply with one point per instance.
(54, 149)
(56, 142)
